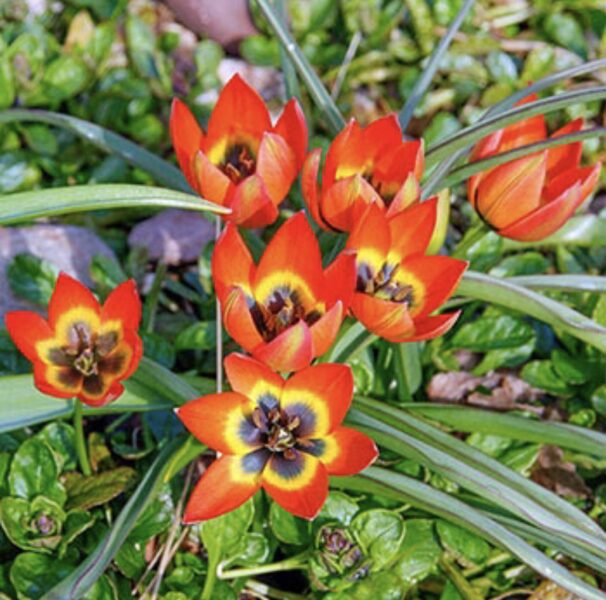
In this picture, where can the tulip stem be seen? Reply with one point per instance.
(473, 235)
(294, 563)
(219, 323)
(81, 440)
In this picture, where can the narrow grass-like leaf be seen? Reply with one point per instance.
(431, 67)
(479, 482)
(562, 283)
(378, 481)
(462, 173)
(474, 458)
(469, 420)
(434, 181)
(83, 578)
(476, 132)
(314, 85)
(161, 170)
(288, 69)
(504, 293)
(25, 206)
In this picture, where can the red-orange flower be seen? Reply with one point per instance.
(242, 162)
(84, 350)
(283, 436)
(288, 309)
(532, 197)
(363, 166)
(398, 287)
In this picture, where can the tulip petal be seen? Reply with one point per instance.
(60, 382)
(123, 305)
(228, 483)
(98, 390)
(320, 396)
(239, 116)
(292, 126)
(252, 378)
(588, 178)
(293, 260)
(133, 341)
(231, 263)
(344, 203)
(70, 295)
(434, 279)
(547, 219)
(408, 194)
(27, 329)
(428, 328)
(512, 190)
(370, 239)
(309, 187)
(276, 166)
(340, 279)
(187, 137)
(210, 182)
(325, 329)
(290, 351)
(345, 155)
(223, 422)
(238, 321)
(251, 205)
(562, 158)
(347, 451)
(411, 230)
(389, 320)
(299, 486)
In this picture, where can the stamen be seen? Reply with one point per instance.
(239, 163)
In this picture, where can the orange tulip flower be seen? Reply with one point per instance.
(287, 310)
(363, 166)
(84, 350)
(283, 436)
(530, 198)
(242, 162)
(399, 287)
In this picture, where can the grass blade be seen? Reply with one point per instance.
(469, 420)
(25, 206)
(470, 478)
(433, 182)
(504, 293)
(479, 461)
(288, 69)
(405, 489)
(462, 173)
(81, 580)
(316, 88)
(430, 69)
(476, 132)
(562, 283)
(161, 170)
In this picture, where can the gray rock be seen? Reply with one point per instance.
(68, 247)
(173, 236)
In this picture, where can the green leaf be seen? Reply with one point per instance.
(32, 278)
(338, 507)
(198, 336)
(598, 400)
(378, 481)
(468, 548)
(25, 206)
(493, 333)
(541, 374)
(380, 533)
(419, 553)
(76, 523)
(221, 535)
(162, 171)
(155, 519)
(287, 528)
(35, 525)
(503, 293)
(34, 574)
(566, 31)
(83, 578)
(33, 472)
(571, 369)
(95, 490)
(60, 437)
(253, 549)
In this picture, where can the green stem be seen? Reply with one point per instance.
(472, 237)
(81, 440)
(463, 586)
(294, 563)
(211, 578)
(151, 303)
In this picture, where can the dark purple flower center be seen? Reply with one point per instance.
(383, 284)
(239, 163)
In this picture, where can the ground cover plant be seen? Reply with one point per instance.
(342, 340)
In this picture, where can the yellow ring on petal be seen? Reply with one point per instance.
(285, 279)
(299, 481)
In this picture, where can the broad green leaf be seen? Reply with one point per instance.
(34, 472)
(380, 533)
(88, 572)
(493, 333)
(61, 439)
(404, 489)
(468, 548)
(419, 553)
(32, 575)
(338, 507)
(163, 172)
(95, 490)
(25, 206)
(32, 278)
(542, 374)
(288, 528)
(76, 522)
(497, 291)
